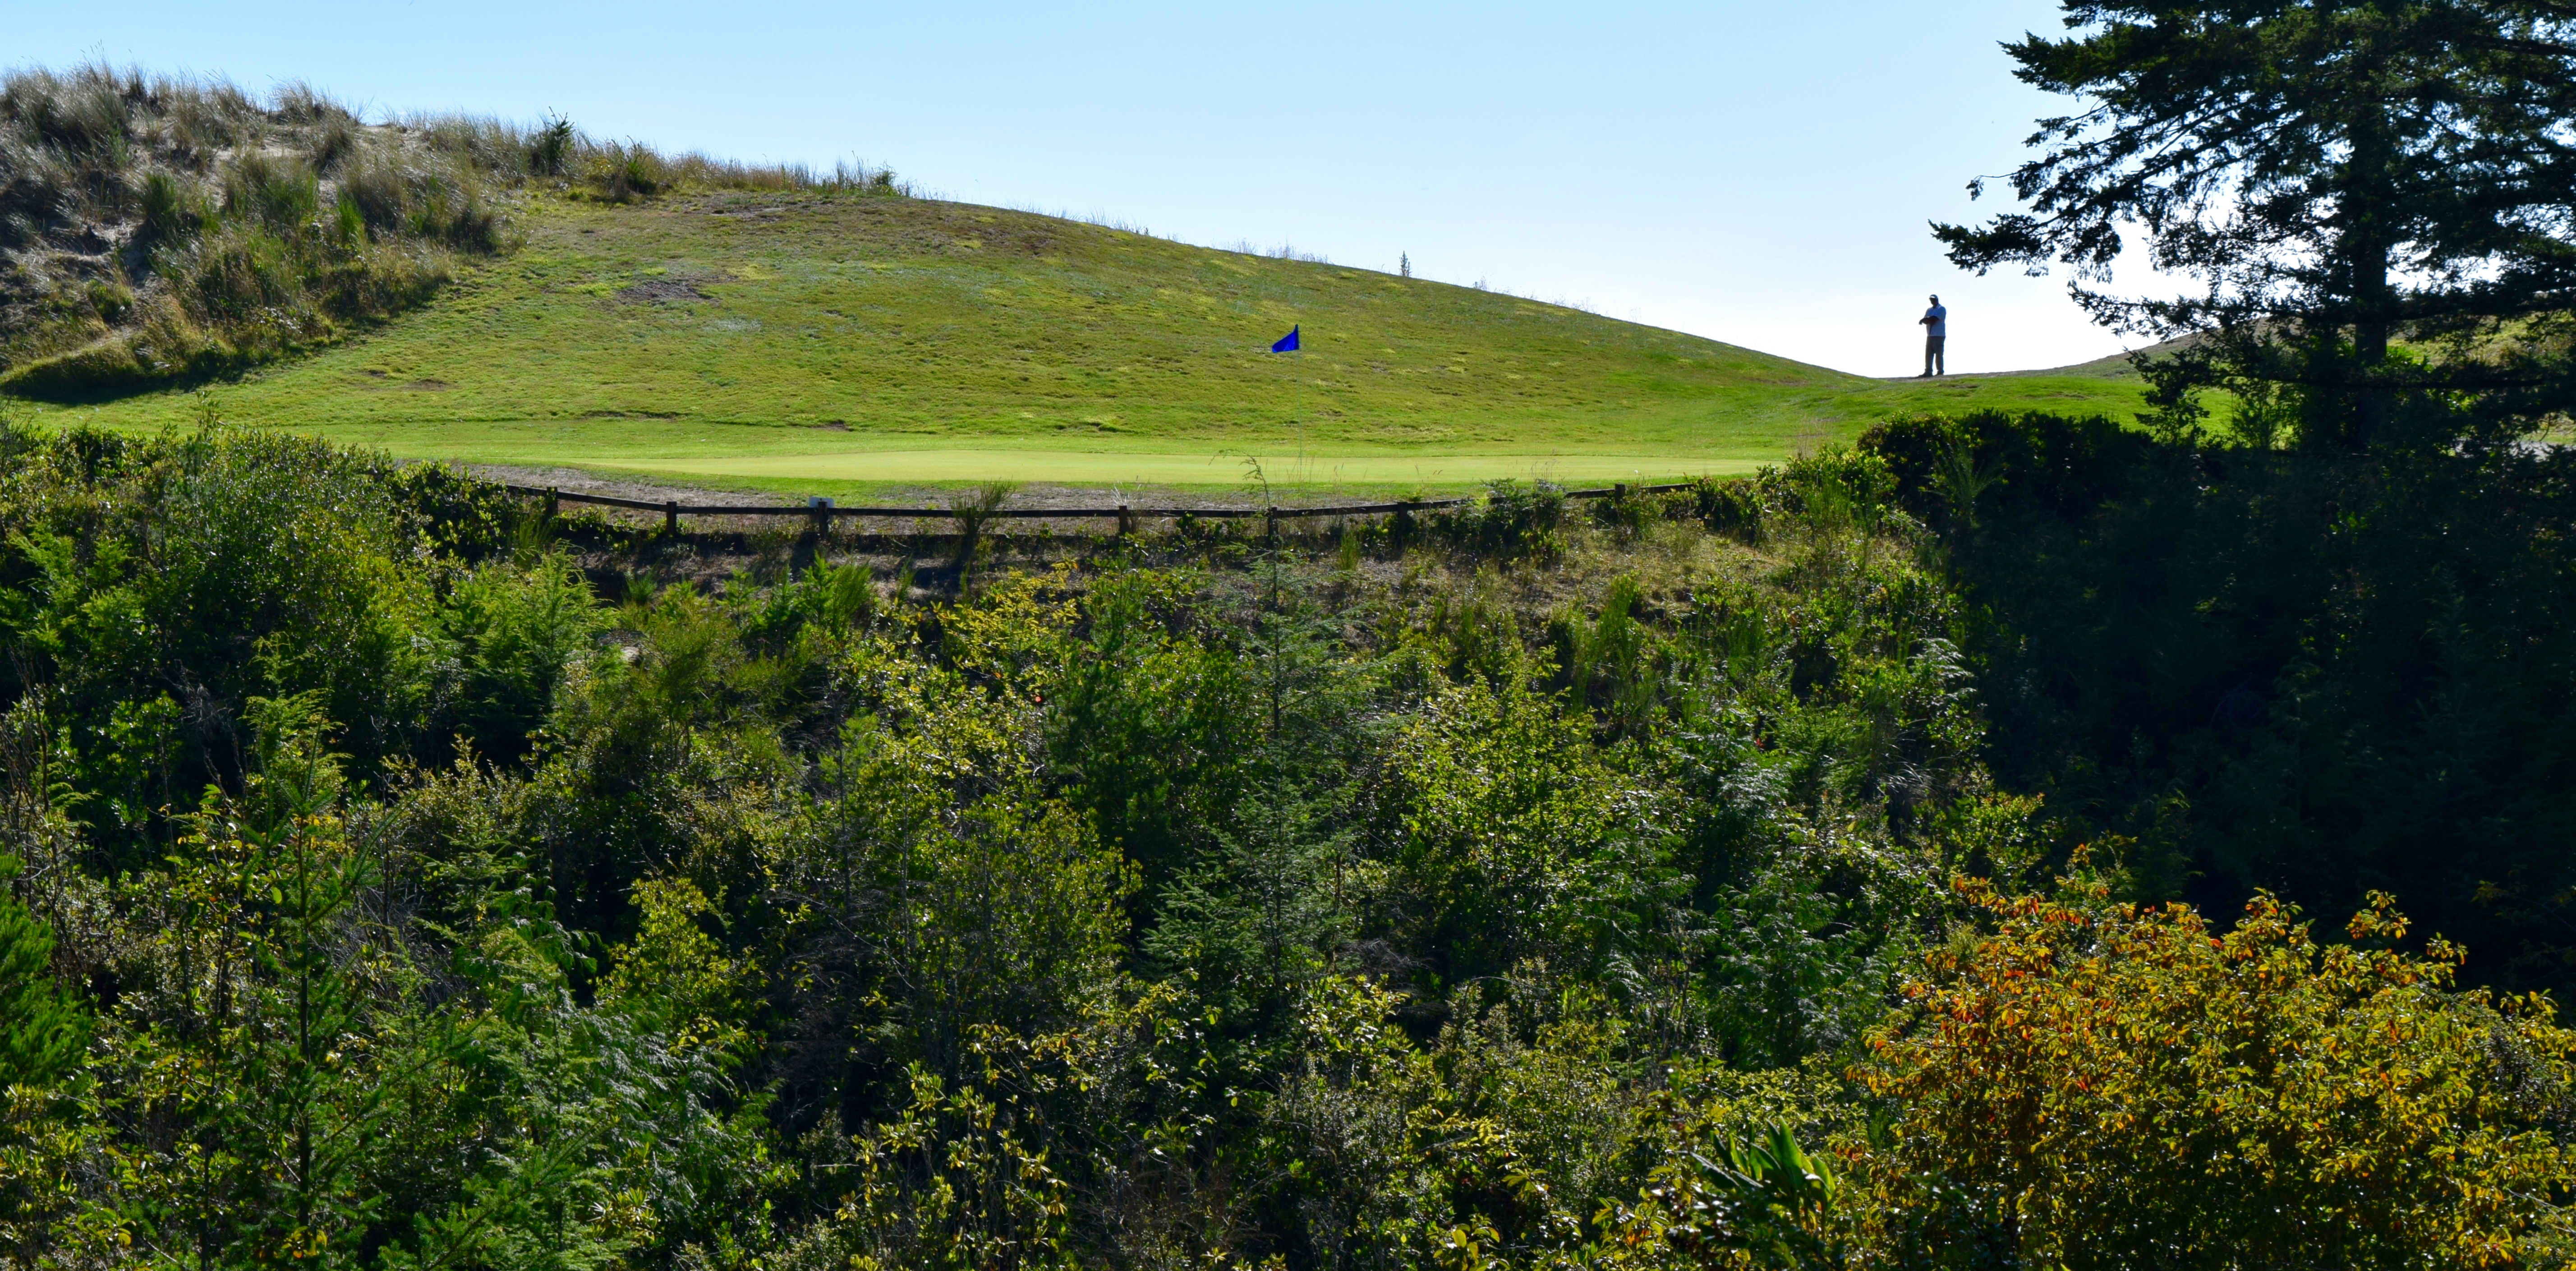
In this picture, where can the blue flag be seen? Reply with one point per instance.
(1287, 343)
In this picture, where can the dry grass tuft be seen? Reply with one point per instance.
(157, 228)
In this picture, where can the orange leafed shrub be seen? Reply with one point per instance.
(2094, 1085)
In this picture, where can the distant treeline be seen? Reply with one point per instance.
(163, 228)
(1744, 875)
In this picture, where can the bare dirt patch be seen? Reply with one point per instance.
(668, 290)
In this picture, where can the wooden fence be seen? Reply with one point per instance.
(822, 511)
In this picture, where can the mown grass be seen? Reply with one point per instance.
(819, 340)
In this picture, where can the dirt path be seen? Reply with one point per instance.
(580, 482)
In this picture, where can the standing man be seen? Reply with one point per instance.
(1936, 332)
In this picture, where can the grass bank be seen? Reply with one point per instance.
(825, 340)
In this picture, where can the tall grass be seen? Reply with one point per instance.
(157, 228)
(1284, 251)
(974, 509)
(555, 155)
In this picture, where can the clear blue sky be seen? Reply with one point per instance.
(1759, 173)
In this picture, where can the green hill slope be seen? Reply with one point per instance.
(814, 341)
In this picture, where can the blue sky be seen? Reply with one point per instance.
(1758, 173)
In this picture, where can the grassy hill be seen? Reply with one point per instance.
(814, 340)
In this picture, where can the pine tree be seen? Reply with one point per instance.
(2379, 195)
(42, 1027)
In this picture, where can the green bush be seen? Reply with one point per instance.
(1512, 522)
(2311, 672)
(2089, 1085)
(43, 1028)
(403, 897)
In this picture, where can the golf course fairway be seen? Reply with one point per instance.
(827, 343)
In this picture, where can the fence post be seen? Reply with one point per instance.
(821, 511)
(1126, 523)
(1270, 523)
(671, 518)
(552, 495)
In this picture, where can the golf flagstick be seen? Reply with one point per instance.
(1297, 402)
(1293, 343)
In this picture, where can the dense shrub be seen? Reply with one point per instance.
(411, 882)
(1510, 521)
(2093, 1085)
(152, 588)
(2317, 673)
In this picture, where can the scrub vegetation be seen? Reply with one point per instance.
(160, 229)
(2010, 840)
(1783, 871)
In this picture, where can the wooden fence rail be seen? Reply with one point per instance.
(821, 512)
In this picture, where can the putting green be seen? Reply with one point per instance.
(870, 467)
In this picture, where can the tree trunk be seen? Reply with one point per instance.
(2366, 245)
